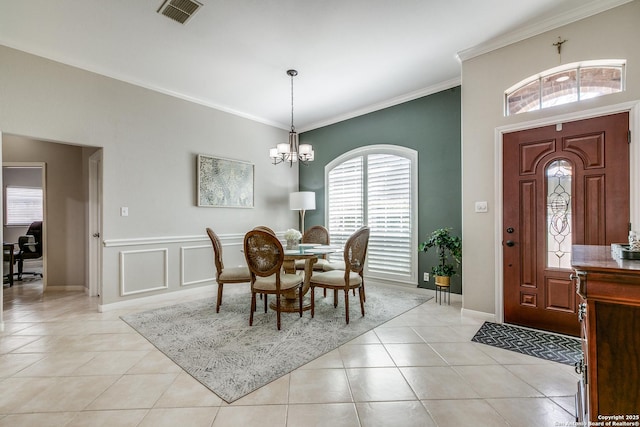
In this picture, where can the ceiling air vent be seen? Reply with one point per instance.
(179, 10)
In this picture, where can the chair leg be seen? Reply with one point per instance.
(346, 304)
(300, 299)
(220, 285)
(335, 298)
(265, 303)
(313, 301)
(361, 293)
(253, 308)
(364, 292)
(324, 292)
(278, 309)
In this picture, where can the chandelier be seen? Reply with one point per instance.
(293, 151)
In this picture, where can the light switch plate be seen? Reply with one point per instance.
(482, 207)
(124, 211)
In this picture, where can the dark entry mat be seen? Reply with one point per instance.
(557, 348)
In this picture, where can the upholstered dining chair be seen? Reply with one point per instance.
(225, 275)
(264, 254)
(316, 234)
(355, 252)
(264, 228)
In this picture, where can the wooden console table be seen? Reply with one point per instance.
(609, 312)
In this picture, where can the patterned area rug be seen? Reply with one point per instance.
(557, 348)
(233, 359)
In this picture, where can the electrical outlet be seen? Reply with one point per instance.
(426, 277)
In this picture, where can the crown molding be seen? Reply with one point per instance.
(582, 12)
(448, 84)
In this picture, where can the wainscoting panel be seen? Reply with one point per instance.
(144, 271)
(196, 265)
(140, 267)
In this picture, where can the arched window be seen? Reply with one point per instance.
(376, 186)
(568, 83)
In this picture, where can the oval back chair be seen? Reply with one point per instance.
(265, 255)
(355, 252)
(225, 275)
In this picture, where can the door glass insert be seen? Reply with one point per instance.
(558, 175)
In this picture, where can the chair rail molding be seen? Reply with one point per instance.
(163, 240)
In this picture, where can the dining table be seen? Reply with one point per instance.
(309, 253)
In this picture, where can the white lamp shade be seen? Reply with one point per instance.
(305, 149)
(302, 200)
(273, 153)
(283, 148)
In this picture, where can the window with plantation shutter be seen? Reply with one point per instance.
(376, 186)
(23, 205)
(346, 205)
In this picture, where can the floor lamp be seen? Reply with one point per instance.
(302, 201)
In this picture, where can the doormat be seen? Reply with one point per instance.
(545, 345)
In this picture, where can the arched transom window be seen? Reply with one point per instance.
(565, 84)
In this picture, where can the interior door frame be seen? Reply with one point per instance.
(633, 107)
(95, 225)
(43, 169)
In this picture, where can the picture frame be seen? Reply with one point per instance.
(224, 182)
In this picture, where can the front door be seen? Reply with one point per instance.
(563, 184)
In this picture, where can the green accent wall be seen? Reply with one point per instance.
(430, 125)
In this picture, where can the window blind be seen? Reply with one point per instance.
(374, 189)
(23, 205)
(389, 214)
(346, 200)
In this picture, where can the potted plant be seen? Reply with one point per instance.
(449, 254)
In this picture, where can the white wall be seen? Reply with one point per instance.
(610, 35)
(150, 143)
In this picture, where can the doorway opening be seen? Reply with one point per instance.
(72, 211)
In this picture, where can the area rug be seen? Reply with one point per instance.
(557, 348)
(233, 359)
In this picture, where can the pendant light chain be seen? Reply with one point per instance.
(292, 126)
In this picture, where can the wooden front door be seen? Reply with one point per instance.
(562, 185)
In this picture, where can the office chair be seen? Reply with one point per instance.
(30, 246)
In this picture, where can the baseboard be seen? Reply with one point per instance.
(53, 288)
(481, 315)
(168, 297)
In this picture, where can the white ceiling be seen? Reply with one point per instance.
(353, 56)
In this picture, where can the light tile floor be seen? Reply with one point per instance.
(64, 364)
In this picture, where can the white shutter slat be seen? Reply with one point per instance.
(389, 214)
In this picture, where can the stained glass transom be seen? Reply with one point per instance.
(559, 214)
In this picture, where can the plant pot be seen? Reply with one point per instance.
(291, 244)
(443, 280)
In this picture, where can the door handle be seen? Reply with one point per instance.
(96, 234)
(510, 243)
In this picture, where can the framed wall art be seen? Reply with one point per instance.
(224, 182)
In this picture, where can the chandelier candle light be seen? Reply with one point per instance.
(293, 151)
